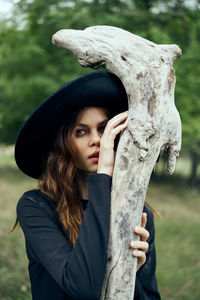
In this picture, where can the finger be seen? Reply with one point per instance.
(119, 128)
(144, 219)
(112, 123)
(120, 114)
(107, 140)
(141, 245)
(139, 254)
(143, 233)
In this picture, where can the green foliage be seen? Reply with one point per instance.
(188, 91)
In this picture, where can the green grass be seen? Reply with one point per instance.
(177, 238)
(177, 234)
(14, 281)
(6, 156)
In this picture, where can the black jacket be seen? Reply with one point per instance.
(57, 270)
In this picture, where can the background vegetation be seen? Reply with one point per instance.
(32, 68)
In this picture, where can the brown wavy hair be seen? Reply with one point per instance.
(59, 180)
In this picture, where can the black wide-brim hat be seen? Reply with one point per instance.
(101, 89)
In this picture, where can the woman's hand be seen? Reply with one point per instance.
(140, 247)
(106, 153)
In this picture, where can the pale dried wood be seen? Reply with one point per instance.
(146, 70)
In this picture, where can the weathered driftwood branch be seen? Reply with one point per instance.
(153, 126)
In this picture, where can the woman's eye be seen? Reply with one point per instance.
(80, 132)
(101, 129)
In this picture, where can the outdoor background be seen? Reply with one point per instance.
(31, 68)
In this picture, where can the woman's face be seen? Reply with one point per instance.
(86, 135)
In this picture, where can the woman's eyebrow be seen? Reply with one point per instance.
(82, 125)
(104, 121)
(85, 125)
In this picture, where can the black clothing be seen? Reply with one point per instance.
(60, 272)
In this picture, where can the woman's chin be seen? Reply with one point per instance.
(90, 169)
(93, 170)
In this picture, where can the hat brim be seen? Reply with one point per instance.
(101, 89)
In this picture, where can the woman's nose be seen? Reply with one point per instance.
(95, 138)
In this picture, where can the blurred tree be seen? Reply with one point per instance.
(31, 67)
(187, 95)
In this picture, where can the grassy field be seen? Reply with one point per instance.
(177, 234)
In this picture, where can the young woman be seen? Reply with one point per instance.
(69, 144)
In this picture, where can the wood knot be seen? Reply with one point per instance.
(123, 58)
(141, 75)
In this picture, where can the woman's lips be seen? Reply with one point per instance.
(94, 156)
(94, 159)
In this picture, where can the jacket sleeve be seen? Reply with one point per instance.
(79, 270)
(146, 285)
